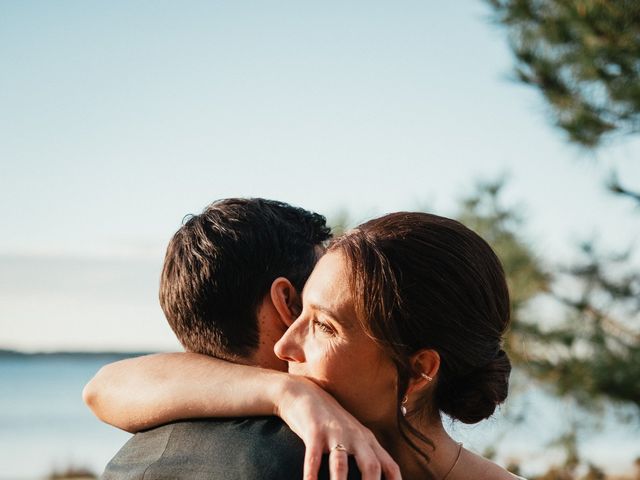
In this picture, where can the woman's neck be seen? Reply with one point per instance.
(442, 455)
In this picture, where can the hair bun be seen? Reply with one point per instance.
(475, 396)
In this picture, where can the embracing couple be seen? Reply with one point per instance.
(381, 330)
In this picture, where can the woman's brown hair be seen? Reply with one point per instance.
(421, 281)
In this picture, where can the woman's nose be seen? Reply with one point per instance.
(290, 346)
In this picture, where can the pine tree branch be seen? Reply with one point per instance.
(617, 188)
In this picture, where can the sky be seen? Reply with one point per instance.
(119, 118)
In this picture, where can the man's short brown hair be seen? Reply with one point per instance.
(221, 263)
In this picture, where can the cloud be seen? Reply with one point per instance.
(61, 302)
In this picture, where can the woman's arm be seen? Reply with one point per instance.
(143, 392)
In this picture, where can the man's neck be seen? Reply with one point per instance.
(265, 358)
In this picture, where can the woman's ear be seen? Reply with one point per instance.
(425, 364)
(286, 300)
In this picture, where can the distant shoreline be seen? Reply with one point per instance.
(7, 353)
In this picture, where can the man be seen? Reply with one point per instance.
(229, 289)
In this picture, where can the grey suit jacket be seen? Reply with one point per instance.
(214, 449)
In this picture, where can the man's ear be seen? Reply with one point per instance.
(425, 364)
(286, 300)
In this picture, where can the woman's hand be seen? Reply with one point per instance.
(322, 424)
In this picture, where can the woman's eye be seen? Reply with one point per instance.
(323, 327)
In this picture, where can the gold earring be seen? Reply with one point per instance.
(403, 408)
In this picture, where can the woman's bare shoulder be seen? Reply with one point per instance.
(484, 469)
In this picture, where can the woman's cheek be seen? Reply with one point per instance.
(328, 361)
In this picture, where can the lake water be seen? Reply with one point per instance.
(44, 425)
(43, 422)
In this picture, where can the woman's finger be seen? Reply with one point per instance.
(338, 463)
(390, 468)
(312, 459)
(368, 463)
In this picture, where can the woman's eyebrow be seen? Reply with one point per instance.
(324, 310)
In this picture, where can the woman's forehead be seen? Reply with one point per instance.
(328, 288)
(329, 274)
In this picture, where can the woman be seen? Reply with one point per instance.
(402, 320)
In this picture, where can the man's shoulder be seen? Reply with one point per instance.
(257, 447)
(262, 447)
